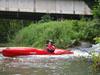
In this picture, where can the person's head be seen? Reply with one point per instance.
(50, 41)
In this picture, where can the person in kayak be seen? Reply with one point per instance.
(50, 47)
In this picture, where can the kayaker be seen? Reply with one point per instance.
(50, 47)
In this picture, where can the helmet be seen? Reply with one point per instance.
(50, 41)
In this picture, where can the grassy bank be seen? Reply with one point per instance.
(64, 33)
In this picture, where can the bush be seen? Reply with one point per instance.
(45, 18)
(96, 9)
(64, 33)
(9, 27)
(97, 39)
(96, 63)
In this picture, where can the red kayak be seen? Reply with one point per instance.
(20, 51)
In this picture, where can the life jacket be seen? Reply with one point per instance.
(51, 47)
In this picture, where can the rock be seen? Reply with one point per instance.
(84, 44)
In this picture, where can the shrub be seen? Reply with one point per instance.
(64, 33)
(97, 39)
(9, 27)
(45, 18)
(96, 63)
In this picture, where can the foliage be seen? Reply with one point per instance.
(64, 33)
(96, 62)
(96, 10)
(92, 29)
(97, 39)
(9, 27)
(45, 18)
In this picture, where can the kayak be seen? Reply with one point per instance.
(20, 51)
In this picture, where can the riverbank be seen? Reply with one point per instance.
(64, 33)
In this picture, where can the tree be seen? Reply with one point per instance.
(96, 9)
(9, 27)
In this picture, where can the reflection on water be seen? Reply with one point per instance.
(43, 66)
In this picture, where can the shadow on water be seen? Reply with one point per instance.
(43, 66)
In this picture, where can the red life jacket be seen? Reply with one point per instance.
(51, 47)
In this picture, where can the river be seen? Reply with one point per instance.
(48, 65)
(33, 65)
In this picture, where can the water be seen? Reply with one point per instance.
(49, 65)
(43, 65)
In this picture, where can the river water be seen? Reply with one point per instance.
(37, 65)
(75, 64)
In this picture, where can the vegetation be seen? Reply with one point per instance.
(96, 63)
(45, 18)
(64, 33)
(97, 39)
(9, 27)
(96, 9)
